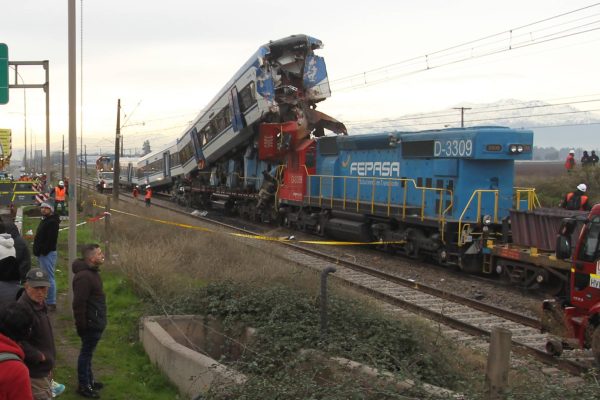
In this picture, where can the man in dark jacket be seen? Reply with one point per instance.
(89, 310)
(40, 352)
(44, 248)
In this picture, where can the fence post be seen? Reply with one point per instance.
(324, 274)
(496, 373)
(107, 229)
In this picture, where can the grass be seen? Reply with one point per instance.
(552, 189)
(119, 361)
(161, 267)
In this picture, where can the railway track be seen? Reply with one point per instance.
(465, 320)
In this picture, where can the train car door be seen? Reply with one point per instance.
(237, 119)
(197, 145)
(130, 173)
(166, 164)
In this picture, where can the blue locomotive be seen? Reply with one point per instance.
(440, 193)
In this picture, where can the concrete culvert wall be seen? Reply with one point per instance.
(185, 347)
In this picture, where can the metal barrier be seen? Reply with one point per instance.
(17, 193)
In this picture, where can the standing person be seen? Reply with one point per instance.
(44, 248)
(577, 200)
(10, 275)
(570, 161)
(40, 352)
(585, 159)
(594, 158)
(60, 193)
(135, 193)
(89, 310)
(23, 254)
(148, 196)
(16, 322)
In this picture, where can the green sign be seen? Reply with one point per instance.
(3, 73)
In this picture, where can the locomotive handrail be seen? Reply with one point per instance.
(532, 199)
(403, 182)
(477, 192)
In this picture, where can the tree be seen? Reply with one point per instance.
(146, 147)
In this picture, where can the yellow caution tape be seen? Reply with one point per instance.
(252, 236)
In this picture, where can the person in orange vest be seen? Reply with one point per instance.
(577, 200)
(60, 193)
(570, 161)
(135, 194)
(148, 196)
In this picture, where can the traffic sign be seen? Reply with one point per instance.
(3, 73)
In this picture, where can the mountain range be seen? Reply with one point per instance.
(554, 125)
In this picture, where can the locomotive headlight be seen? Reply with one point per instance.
(519, 149)
(487, 220)
(513, 148)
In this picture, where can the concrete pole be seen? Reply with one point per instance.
(72, 146)
(117, 165)
(47, 90)
(496, 373)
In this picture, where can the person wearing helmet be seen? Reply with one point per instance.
(577, 200)
(135, 193)
(148, 196)
(570, 161)
(60, 194)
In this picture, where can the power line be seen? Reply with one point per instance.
(426, 62)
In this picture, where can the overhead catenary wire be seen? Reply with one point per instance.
(426, 62)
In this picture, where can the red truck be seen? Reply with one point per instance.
(577, 316)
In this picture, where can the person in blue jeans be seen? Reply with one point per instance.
(44, 248)
(89, 310)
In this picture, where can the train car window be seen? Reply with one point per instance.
(247, 97)
(450, 184)
(590, 251)
(439, 183)
(418, 149)
(328, 145)
(187, 152)
(175, 159)
(428, 182)
(419, 182)
(204, 135)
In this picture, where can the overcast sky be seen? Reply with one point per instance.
(166, 60)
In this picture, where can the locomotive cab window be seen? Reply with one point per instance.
(590, 251)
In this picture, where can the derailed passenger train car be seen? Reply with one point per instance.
(440, 193)
(280, 84)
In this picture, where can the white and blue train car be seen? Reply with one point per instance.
(281, 82)
(128, 171)
(159, 168)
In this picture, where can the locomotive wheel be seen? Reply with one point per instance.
(596, 343)
(554, 347)
(553, 286)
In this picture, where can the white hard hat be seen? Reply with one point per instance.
(582, 187)
(61, 183)
(571, 151)
(148, 187)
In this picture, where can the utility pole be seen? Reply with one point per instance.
(72, 143)
(462, 115)
(117, 167)
(62, 170)
(85, 160)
